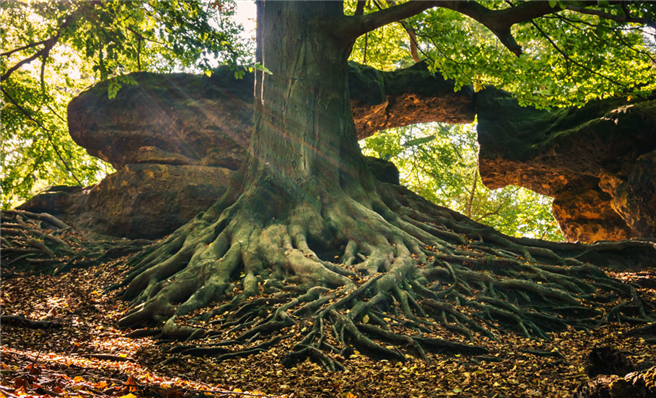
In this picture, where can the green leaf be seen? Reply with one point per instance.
(113, 88)
(262, 68)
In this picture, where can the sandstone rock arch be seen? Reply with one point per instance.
(176, 139)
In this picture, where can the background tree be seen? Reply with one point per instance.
(341, 257)
(52, 50)
(440, 163)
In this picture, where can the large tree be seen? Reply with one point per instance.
(308, 236)
(306, 227)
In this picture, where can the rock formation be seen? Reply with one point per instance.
(614, 375)
(633, 385)
(382, 100)
(176, 139)
(182, 119)
(596, 161)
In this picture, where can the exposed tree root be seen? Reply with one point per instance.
(41, 242)
(385, 275)
(22, 321)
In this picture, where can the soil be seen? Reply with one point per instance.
(78, 352)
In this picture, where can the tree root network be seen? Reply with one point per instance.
(388, 275)
(41, 242)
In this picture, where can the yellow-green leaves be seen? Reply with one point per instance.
(439, 162)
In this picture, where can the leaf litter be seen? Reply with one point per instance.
(82, 354)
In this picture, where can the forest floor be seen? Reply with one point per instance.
(84, 355)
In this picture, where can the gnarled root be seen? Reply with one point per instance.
(40, 242)
(388, 276)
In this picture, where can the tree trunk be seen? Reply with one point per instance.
(304, 129)
(304, 146)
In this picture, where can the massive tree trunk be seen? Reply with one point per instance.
(309, 229)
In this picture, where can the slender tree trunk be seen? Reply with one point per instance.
(472, 193)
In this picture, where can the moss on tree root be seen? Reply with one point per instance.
(382, 275)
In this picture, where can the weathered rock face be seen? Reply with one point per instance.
(150, 200)
(616, 376)
(58, 200)
(585, 213)
(138, 201)
(176, 139)
(176, 119)
(596, 161)
(640, 384)
(183, 119)
(383, 170)
(382, 100)
(635, 198)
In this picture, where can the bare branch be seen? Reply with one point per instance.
(359, 9)
(569, 59)
(44, 52)
(25, 47)
(411, 33)
(623, 19)
(498, 21)
(625, 9)
(496, 211)
(413, 43)
(48, 44)
(573, 23)
(473, 191)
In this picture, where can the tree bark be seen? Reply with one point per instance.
(303, 124)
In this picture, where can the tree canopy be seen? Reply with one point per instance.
(440, 163)
(564, 53)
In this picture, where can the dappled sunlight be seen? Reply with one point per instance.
(78, 350)
(245, 247)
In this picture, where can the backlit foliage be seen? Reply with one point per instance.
(439, 162)
(52, 50)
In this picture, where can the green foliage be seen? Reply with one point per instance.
(52, 50)
(568, 57)
(386, 48)
(36, 149)
(439, 162)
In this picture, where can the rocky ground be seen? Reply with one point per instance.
(73, 349)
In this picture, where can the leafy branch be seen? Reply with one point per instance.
(498, 22)
(569, 59)
(48, 44)
(45, 129)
